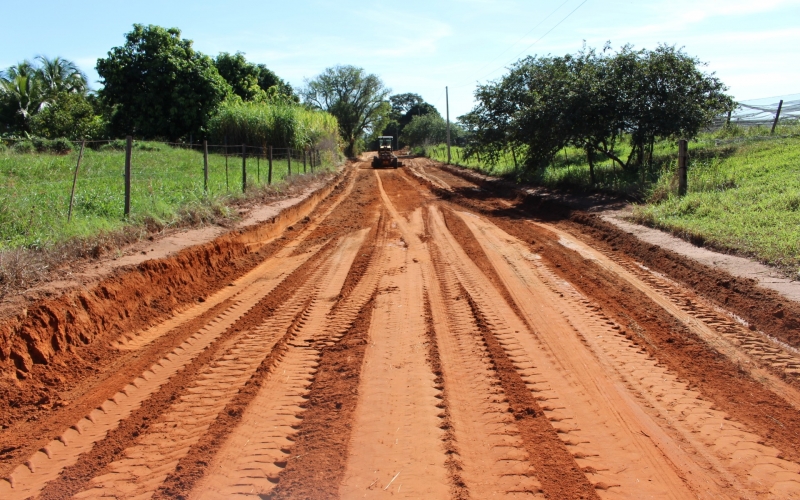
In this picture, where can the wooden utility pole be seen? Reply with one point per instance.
(244, 168)
(777, 117)
(447, 104)
(683, 155)
(75, 181)
(205, 166)
(269, 172)
(227, 185)
(128, 146)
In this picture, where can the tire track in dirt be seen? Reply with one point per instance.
(555, 467)
(319, 447)
(253, 459)
(148, 463)
(698, 326)
(45, 465)
(492, 458)
(397, 443)
(714, 438)
(664, 337)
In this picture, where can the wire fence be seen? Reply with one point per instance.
(765, 112)
(46, 197)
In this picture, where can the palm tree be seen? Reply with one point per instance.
(24, 93)
(61, 75)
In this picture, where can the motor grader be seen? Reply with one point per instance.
(385, 157)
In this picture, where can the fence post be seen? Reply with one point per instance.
(205, 166)
(128, 146)
(244, 168)
(289, 157)
(75, 180)
(777, 116)
(227, 186)
(258, 166)
(311, 160)
(304, 161)
(683, 154)
(269, 173)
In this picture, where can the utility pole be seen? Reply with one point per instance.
(447, 104)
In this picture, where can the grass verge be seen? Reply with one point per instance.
(166, 191)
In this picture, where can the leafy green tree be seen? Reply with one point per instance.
(241, 75)
(429, 129)
(253, 82)
(590, 100)
(356, 99)
(158, 85)
(69, 115)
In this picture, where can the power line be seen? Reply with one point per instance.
(523, 36)
(531, 45)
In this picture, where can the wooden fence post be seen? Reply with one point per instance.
(683, 154)
(777, 116)
(289, 157)
(269, 173)
(128, 146)
(244, 168)
(227, 185)
(304, 161)
(205, 166)
(75, 180)
(311, 153)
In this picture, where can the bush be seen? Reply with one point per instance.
(119, 145)
(71, 116)
(23, 147)
(58, 146)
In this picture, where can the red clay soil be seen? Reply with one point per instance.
(73, 479)
(667, 340)
(324, 434)
(60, 346)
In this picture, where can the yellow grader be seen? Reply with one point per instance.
(385, 157)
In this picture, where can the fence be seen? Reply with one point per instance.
(765, 112)
(99, 186)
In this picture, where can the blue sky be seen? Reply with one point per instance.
(754, 46)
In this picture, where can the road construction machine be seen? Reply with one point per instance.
(385, 157)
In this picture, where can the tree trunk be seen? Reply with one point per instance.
(591, 164)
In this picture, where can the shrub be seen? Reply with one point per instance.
(23, 147)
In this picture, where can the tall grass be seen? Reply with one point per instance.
(277, 125)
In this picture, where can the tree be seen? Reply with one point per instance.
(589, 100)
(253, 82)
(69, 115)
(60, 75)
(241, 75)
(356, 99)
(158, 85)
(21, 96)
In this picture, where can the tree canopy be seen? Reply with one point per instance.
(590, 100)
(252, 82)
(355, 98)
(158, 85)
(29, 87)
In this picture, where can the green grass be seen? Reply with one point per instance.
(745, 199)
(743, 189)
(167, 184)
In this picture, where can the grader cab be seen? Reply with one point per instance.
(385, 157)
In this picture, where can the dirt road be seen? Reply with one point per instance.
(417, 335)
